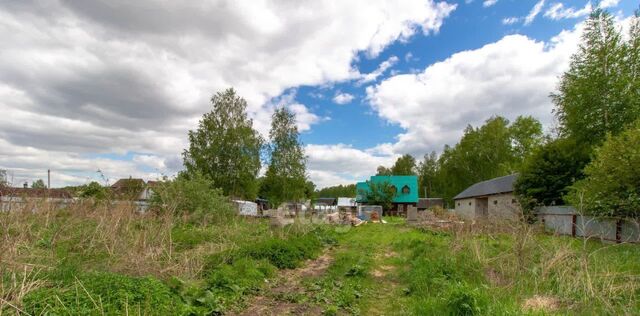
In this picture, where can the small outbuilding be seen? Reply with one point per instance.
(492, 198)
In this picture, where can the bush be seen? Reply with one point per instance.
(193, 195)
(464, 300)
(547, 174)
(105, 293)
(612, 186)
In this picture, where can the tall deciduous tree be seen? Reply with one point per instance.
(225, 148)
(427, 174)
(404, 166)
(285, 179)
(596, 95)
(526, 136)
(383, 171)
(612, 185)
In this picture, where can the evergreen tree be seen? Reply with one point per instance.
(225, 148)
(285, 179)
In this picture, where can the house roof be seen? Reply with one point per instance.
(326, 201)
(35, 193)
(489, 187)
(129, 188)
(399, 182)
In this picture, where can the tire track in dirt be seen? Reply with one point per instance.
(279, 296)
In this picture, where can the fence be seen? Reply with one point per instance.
(564, 220)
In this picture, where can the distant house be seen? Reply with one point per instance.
(21, 198)
(488, 199)
(406, 188)
(325, 204)
(131, 189)
(427, 203)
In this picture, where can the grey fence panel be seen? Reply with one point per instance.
(564, 220)
(630, 231)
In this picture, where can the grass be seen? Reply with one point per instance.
(105, 259)
(398, 270)
(112, 260)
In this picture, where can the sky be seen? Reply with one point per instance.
(106, 89)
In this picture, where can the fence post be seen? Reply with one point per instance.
(618, 231)
(573, 225)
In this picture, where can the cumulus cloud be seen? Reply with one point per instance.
(342, 164)
(609, 3)
(343, 98)
(510, 77)
(488, 3)
(94, 77)
(537, 8)
(557, 11)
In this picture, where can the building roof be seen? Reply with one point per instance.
(489, 187)
(325, 201)
(35, 193)
(129, 189)
(401, 183)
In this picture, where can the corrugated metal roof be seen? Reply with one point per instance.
(489, 187)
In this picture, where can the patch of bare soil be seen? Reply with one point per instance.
(283, 296)
(382, 271)
(541, 303)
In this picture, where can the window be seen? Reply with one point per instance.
(406, 190)
(458, 203)
(469, 203)
(495, 202)
(394, 189)
(513, 201)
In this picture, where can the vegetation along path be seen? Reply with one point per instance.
(396, 269)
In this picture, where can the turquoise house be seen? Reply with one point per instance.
(406, 188)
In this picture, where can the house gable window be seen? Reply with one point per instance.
(406, 189)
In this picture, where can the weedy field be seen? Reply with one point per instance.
(102, 260)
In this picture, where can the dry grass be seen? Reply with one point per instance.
(544, 270)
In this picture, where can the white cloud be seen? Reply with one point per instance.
(510, 20)
(95, 77)
(510, 77)
(488, 3)
(343, 98)
(534, 12)
(557, 11)
(379, 71)
(609, 3)
(342, 164)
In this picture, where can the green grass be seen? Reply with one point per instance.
(426, 272)
(77, 262)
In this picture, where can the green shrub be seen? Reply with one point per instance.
(187, 236)
(465, 300)
(194, 195)
(612, 185)
(105, 293)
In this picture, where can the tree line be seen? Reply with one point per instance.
(591, 160)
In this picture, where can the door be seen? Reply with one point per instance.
(482, 207)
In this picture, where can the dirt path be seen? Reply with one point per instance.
(286, 295)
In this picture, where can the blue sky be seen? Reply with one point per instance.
(104, 85)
